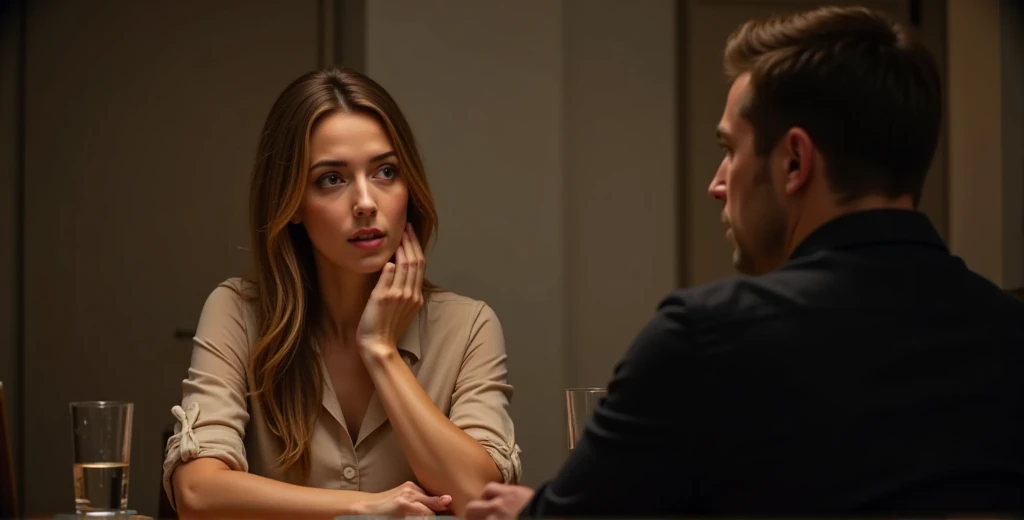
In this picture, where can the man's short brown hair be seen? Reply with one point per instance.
(866, 93)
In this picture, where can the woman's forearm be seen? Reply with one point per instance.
(445, 459)
(208, 488)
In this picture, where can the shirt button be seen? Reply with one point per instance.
(350, 472)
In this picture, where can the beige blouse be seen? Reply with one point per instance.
(454, 346)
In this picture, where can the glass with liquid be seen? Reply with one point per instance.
(102, 433)
(579, 406)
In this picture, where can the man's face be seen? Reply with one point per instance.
(755, 219)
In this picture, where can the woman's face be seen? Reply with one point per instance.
(354, 205)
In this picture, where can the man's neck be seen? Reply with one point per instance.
(815, 216)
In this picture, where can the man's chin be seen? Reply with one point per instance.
(742, 263)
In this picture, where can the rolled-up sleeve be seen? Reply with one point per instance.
(480, 403)
(212, 416)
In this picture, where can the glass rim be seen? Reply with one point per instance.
(585, 389)
(101, 404)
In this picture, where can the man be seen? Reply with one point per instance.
(860, 368)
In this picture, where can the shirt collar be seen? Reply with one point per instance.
(872, 227)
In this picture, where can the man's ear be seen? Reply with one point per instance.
(798, 154)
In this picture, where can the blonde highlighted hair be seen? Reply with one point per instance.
(287, 378)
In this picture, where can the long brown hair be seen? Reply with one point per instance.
(285, 365)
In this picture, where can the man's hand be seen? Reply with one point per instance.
(499, 502)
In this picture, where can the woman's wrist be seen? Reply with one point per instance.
(351, 502)
(377, 354)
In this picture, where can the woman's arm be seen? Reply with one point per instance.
(208, 488)
(443, 457)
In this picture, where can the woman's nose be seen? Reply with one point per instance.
(365, 204)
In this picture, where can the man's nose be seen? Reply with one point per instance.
(717, 188)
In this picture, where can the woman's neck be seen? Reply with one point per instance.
(344, 295)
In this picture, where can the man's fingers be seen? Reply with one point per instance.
(480, 509)
(492, 490)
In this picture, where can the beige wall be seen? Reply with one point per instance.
(975, 153)
(985, 111)
(620, 176)
(551, 158)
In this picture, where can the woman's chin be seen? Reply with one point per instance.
(369, 265)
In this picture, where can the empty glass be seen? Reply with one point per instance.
(579, 406)
(102, 432)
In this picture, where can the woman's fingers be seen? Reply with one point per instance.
(414, 500)
(413, 486)
(414, 243)
(415, 280)
(402, 270)
(415, 509)
(387, 277)
(418, 260)
(438, 504)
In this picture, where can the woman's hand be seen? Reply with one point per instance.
(405, 500)
(394, 301)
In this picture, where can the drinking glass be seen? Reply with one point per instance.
(102, 432)
(579, 406)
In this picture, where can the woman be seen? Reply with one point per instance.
(338, 375)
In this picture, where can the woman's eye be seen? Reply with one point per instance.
(331, 179)
(387, 172)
